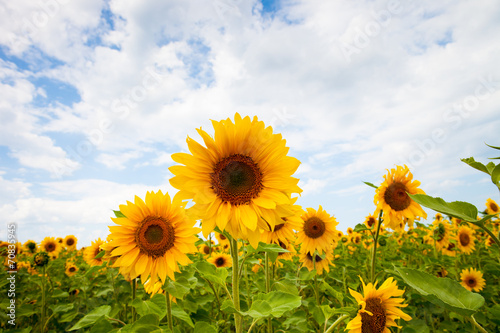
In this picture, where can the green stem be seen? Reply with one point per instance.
(316, 291)
(336, 323)
(375, 242)
(169, 312)
(492, 235)
(134, 285)
(475, 323)
(43, 300)
(268, 290)
(236, 287)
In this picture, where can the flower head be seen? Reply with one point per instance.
(472, 279)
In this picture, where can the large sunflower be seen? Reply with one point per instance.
(51, 246)
(472, 279)
(465, 239)
(92, 251)
(70, 242)
(391, 197)
(492, 207)
(153, 238)
(379, 310)
(241, 181)
(317, 231)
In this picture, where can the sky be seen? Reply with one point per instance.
(95, 97)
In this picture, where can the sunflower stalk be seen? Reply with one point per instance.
(236, 288)
(336, 323)
(134, 287)
(375, 242)
(268, 290)
(42, 324)
(169, 312)
(476, 324)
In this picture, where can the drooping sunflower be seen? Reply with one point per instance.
(41, 259)
(51, 246)
(317, 231)
(379, 309)
(309, 260)
(465, 239)
(241, 181)
(71, 269)
(153, 238)
(284, 230)
(391, 197)
(472, 279)
(220, 260)
(371, 221)
(450, 250)
(492, 207)
(441, 233)
(70, 242)
(90, 253)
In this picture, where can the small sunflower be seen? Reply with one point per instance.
(220, 260)
(287, 255)
(492, 207)
(441, 233)
(465, 239)
(206, 249)
(41, 259)
(71, 269)
(371, 221)
(472, 280)
(90, 253)
(317, 231)
(51, 246)
(70, 242)
(30, 246)
(322, 264)
(450, 250)
(153, 238)
(379, 310)
(241, 181)
(391, 197)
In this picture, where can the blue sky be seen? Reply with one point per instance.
(96, 95)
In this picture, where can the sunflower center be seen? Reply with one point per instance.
(375, 323)
(237, 179)
(70, 242)
(219, 262)
(396, 197)
(72, 269)
(50, 247)
(471, 282)
(493, 207)
(314, 227)
(155, 236)
(32, 246)
(371, 221)
(206, 249)
(222, 237)
(464, 239)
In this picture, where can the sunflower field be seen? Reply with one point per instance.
(233, 251)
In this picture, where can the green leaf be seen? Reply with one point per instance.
(228, 307)
(102, 326)
(92, 317)
(211, 273)
(442, 291)
(275, 304)
(177, 288)
(119, 213)
(156, 305)
(62, 307)
(478, 165)
(459, 209)
(204, 327)
(100, 254)
(146, 324)
(370, 184)
(58, 293)
(495, 175)
(269, 248)
(181, 314)
(492, 146)
(360, 227)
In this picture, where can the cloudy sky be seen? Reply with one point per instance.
(96, 95)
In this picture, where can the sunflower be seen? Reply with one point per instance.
(41, 259)
(153, 238)
(71, 269)
(379, 310)
(284, 230)
(221, 238)
(472, 279)
(220, 260)
(370, 221)
(465, 239)
(51, 246)
(70, 242)
(287, 255)
(317, 231)
(391, 197)
(322, 264)
(441, 233)
(30, 246)
(241, 181)
(205, 249)
(90, 253)
(491, 207)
